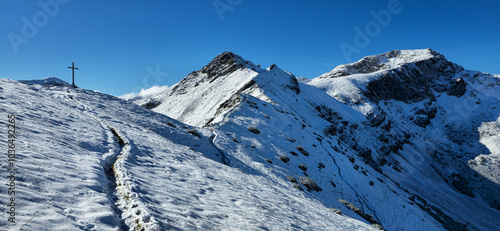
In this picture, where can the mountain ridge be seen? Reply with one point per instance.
(385, 121)
(228, 74)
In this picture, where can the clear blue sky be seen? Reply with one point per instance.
(114, 43)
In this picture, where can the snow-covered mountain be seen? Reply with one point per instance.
(407, 139)
(203, 97)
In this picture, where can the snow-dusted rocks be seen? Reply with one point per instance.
(409, 75)
(390, 60)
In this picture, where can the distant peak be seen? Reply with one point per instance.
(49, 81)
(388, 60)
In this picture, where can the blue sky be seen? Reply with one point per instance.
(123, 46)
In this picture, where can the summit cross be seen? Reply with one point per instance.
(73, 69)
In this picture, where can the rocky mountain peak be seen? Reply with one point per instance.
(426, 59)
(224, 64)
(404, 75)
(226, 57)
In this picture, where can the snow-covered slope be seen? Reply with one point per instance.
(406, 139)
(90, 161)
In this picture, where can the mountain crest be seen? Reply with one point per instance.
(427, 60)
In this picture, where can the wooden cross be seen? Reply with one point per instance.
(73, 69)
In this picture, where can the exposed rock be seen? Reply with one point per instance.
(408, 76)
(457, 88)
(224, 64)
(461, 184)
(151, 103)
(407, 86)
(423, 116)
(310, 184)
(377, 117)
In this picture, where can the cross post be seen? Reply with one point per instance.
(73, 70)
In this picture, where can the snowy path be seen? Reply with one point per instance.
(134, 213)
(108, 161)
